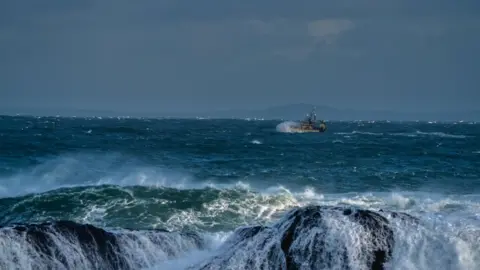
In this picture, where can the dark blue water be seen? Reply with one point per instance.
(212, 176)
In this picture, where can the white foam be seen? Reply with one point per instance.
(405, 134)
(360, 132)
(401, 202)
(286, 127)
(194, 256)
(441, 134)
(441, 240)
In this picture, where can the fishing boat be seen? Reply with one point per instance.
(308, 124)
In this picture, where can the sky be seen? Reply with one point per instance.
(176, 55)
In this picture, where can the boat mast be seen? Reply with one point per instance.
(313, 115)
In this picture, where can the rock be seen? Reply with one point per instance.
(319, 237)
(99, 246)
(70, 245)
(313, 237)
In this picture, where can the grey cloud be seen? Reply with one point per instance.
(324, 28)
(179, 55)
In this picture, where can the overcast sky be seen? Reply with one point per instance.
(176, 55)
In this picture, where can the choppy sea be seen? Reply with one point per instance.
(156, 184)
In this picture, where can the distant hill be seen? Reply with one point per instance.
(298, 111)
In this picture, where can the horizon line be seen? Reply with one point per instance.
(215, 111)
(201, 118)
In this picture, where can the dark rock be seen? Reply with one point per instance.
(313, 237)
(94, 242)
(101, 249)
(381, 235)
(307, 238)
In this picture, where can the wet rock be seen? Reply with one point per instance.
(70, 245)
(99, 246)
(320, 237)
(313, 237)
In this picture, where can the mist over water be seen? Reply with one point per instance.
(212, 177)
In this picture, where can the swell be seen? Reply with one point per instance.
(359, 169)
(207, 209)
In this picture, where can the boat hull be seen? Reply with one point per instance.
(301, 130)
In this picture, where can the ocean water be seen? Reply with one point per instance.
(211, 177)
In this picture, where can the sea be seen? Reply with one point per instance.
(212, 177)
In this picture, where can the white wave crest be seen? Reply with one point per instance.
(432, 134)
(405, 134)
